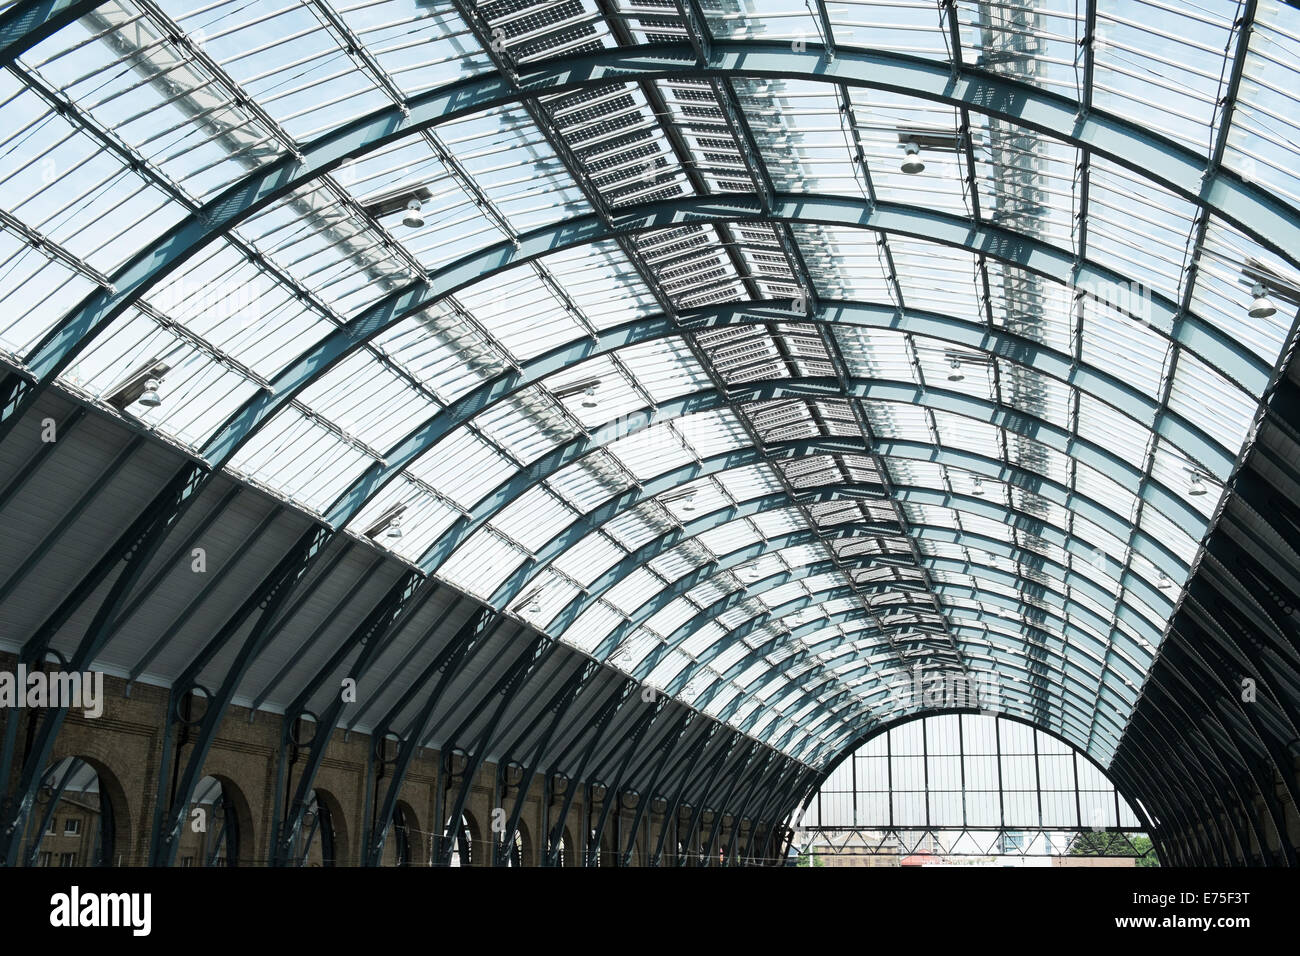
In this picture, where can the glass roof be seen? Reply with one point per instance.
(642, 325)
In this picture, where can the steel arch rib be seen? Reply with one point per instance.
(1198, 336)
(1040, 707)
(666, 596)
(730, 560)
(571, 612)
(868, 631)
(961, 503)
(816, 626)
(643, 670)
(778, 614)
(522, 481)
(1014, 420)
(1007, 638)
(832, 210)
(812, 628)
(982, 465)
(1276, 225)
(26, 24)
(1206, 452)
(866, 706)
(506, 592)
(1013, 653)
(999, 469)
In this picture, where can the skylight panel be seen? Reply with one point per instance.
(591, 627)
(463, 467)
(443, 348)
(526, 425)
(589, 482)
(1207, 399)
(589, 558)
(651, 451)
(665, 368)
(534, 518)
(638, 527)
(668, 620)
(729, 537)
(634, 590)
(519, 311)
(751, 481)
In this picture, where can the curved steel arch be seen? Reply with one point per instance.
(1148, 547)
(1043, 646)
(739, 631)
(1032, 255)
(1083, 706)
(571, 611)
(1248, 207)
(1095, 650)
(492, 392)
(848, 727)
(1188, 438)
(1045, 640)
(1013, 420)
(666, 482)
(1101, 639)
(857, 743)
(342, 342)
(1073, 716)
(742, 630)
(719, 518)
(661, 600)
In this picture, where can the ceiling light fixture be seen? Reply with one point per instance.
(388, 524)
(1196, 486)
(150, 397)
(142, 384)
(977, 486)
(1164, 581)
(412, 218)
(530, 603)
(589, 398)
(1262, 307)
(912, 162)
(956, 375)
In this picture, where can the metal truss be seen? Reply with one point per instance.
(1219, 774)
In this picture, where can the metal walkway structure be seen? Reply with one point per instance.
(642, 394)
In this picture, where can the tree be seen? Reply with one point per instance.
(1112, 843)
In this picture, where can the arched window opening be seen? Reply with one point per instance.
(73, 820)
(317, 839)
(968, 786)
(401, 837)
(462, 848)
(210, 835)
